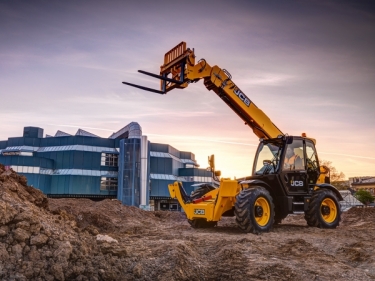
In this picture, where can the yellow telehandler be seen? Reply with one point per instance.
(286, 176)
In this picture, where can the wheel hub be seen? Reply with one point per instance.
(325, 210)
(258, 211)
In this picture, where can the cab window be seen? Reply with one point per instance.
(268, 158)
(294, 157)
(311, 156)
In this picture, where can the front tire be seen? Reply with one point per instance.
(254, 210)
(324, 210)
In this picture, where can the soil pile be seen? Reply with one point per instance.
(79, 239)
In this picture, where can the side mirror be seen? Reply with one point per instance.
(218, 173)
(266, 162)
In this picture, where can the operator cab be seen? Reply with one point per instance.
(293, 158)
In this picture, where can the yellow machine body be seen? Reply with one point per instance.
(250, 201)
(220, 81)
(223, 200)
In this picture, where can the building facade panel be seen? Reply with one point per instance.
(159, 147)
(176, 166)
(3, 144)
(159, 188)
(129, 172)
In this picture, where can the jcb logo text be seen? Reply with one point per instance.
(242, 96)
(198, 211)
(296, 183)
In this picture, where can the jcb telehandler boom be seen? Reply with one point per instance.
(286, 176)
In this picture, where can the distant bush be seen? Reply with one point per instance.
(337, 178)
(364, 197)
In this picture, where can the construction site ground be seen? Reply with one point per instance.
(80, 239)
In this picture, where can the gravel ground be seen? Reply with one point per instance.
(79, 239)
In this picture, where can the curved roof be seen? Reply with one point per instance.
(132, 130)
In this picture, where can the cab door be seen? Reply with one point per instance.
(311, 163)
(294, 174)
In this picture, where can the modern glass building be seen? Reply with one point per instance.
(125, 166)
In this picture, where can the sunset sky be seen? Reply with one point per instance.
(309, 65)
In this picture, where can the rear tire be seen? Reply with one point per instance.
(202, 223)
(201, 191)
(324, 210)
(254, 210)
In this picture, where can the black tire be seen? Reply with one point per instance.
(202, 223)
(201, 191)
(250, 219)
(324, 210)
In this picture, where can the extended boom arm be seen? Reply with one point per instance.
(179, 70)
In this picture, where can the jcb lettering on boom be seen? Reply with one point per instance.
(242, 96)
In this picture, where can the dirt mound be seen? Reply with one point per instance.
(108, 216)
(365, 213)
(79, 239)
